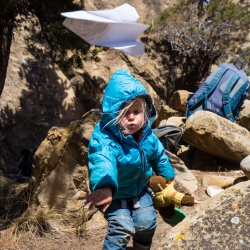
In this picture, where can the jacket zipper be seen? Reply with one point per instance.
(142, 159)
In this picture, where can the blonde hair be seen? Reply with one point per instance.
(124, 108)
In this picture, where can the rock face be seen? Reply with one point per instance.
(147, 10)
(221, 222)
(217, 136)
(60, 172)
(38, 96)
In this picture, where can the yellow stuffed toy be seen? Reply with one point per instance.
(167, 200)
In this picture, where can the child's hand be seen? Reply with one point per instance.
(100, 197)
(171, 181)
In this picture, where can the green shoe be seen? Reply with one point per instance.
(177, 218)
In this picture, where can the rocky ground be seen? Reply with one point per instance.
(93, 238)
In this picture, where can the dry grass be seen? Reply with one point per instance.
(39, 223)
(16, 211)
(81, 225)
(14, 199)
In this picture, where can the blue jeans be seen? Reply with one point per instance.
(126, 222)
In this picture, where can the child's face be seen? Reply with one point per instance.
(132, 121)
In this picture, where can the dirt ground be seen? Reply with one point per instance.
(93, 239)
(90, 240)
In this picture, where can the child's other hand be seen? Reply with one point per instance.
(100, 197)
(171, 181)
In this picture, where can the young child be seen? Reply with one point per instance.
(123, 153)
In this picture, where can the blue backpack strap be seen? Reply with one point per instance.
(226, 98)
(243, 92)
(217, 77)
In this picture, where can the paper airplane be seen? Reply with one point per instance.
(114, 28)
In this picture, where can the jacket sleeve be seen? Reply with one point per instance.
(160, 162)
(102, 163)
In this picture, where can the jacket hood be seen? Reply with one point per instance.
(121, 88)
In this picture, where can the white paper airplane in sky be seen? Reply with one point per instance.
(114, 28)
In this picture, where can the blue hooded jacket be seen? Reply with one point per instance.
(120, 161)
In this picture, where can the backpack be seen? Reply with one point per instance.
(169, 136)
(223, 92)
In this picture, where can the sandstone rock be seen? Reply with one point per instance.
(60, 173)
(217, 180)
(176, 121)
(245, 115)
(184, 177)
(164, 113)
(217, 136)
(97, 221)
(221, 222)
(245, 166)
(178, 100)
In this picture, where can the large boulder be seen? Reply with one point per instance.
(60, 172)
(165, 113)
(221, 222)
(175, 108)
(178, 100)
(217, 136)
(217, 180)
(185, 180)
(245, 166)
